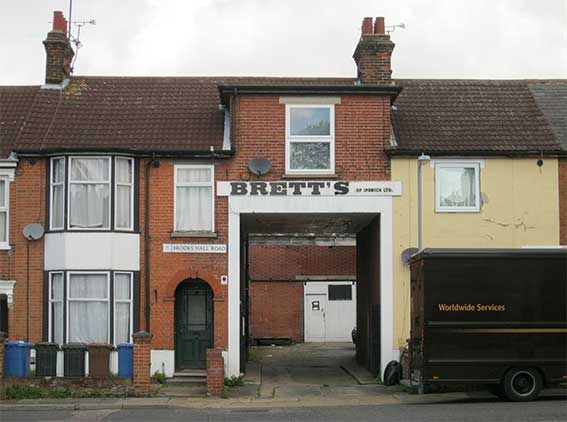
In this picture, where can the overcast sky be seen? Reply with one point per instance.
(442, 39)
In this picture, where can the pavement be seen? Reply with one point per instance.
(297, 376)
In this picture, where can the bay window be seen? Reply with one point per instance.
(310, 139)
(55, 309)
(4, 215)
(122, 307)
(57, 193)
(194, 198)
(90, 307)
(84, 197)
(124, 193)
(457, 187)
(89, 193)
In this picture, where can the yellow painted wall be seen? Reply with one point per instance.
(520, 207)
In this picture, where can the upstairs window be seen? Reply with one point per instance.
(4, 205)
(194, 198)
(124, 212)
(57, 193)
(91, 193)
(457, 187)
(310, 139)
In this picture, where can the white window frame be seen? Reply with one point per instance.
(476, 165)
(5, 245)
(130, 301)
(83, 182)
(77, 299)
(51, 185)
(131, 186)
(193, 184)
(289, 139)
(50, 302)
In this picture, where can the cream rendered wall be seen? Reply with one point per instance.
(520, 207)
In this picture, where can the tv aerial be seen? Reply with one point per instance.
(79, 25)
(392, 28)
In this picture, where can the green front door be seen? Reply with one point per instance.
(193, 324)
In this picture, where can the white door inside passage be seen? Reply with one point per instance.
(329, 311)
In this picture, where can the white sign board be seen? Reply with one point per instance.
(309, 188)
(194, 248)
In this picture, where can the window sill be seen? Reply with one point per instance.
(456, 211)
(193, 234)
(5, 246)
(309, 176)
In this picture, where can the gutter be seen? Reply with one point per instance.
(133, 152)
(231, 90)
(395, 152)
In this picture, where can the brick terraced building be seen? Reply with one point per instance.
(209, 210)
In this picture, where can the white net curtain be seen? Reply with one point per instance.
(3, 210)
(122, 307)
(194, 199)
(457, 186)
(90, 193)
(88, 308)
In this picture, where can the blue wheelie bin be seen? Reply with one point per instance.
(125, 360)
(17, 358)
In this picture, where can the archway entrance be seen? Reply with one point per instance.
(193, 324)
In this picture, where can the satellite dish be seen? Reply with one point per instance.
(260, 166)
(33, 231)
(408, 253)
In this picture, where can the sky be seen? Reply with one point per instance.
(491, 39)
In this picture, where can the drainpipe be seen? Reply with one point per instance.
(420, 160)
(154, 162)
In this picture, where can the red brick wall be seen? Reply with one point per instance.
(142, 358)
(276, 310)
(292, 261)
(215, 372)
(28, 205)
(276, 307)
(563, 200)
(362, 129)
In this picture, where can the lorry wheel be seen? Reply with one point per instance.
(522, 384)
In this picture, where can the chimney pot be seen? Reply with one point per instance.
(59, 22)
(367, 26)
(58, 51)
(373, 53)
(379, 26)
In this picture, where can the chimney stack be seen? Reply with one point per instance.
(58, 51)
(373, 53)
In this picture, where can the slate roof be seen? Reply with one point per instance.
(551, 98)
(137, 114)
(443, 116)
(15, 103)
(181, 115)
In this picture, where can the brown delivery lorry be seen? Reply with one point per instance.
(489, 316)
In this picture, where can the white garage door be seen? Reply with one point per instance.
(329, 311)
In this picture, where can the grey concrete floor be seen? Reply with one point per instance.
(307, 370)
